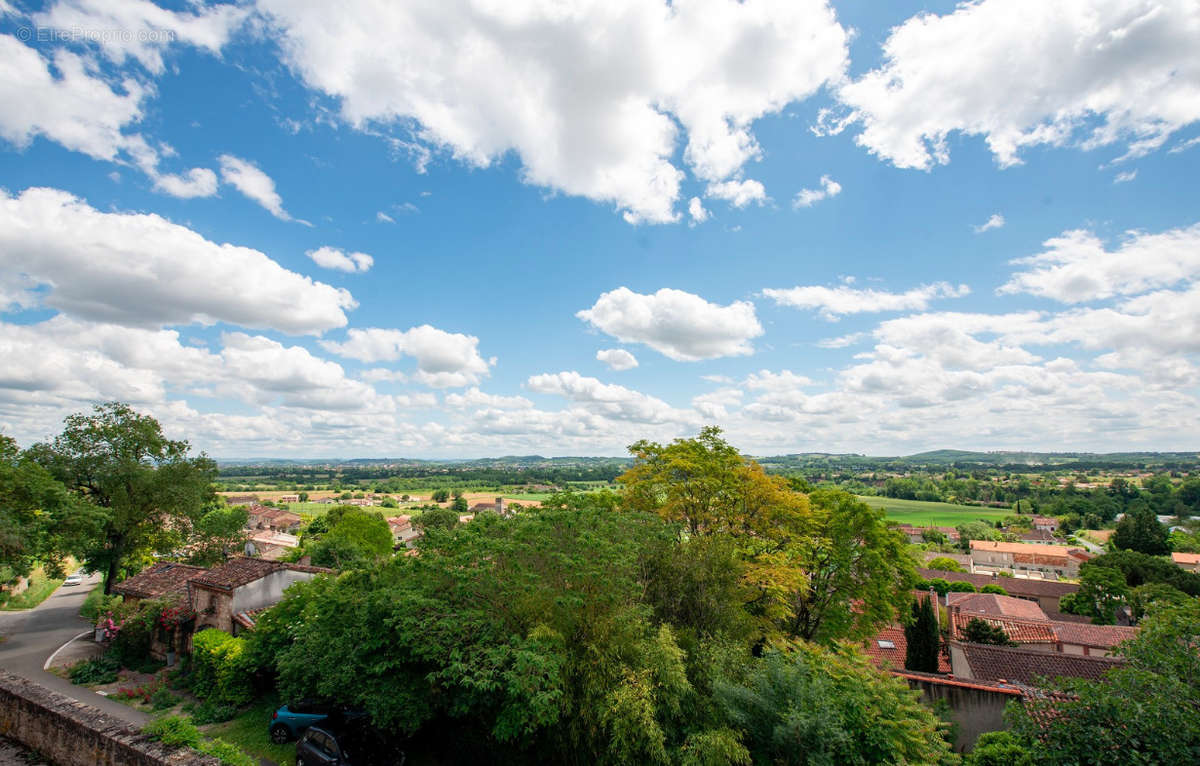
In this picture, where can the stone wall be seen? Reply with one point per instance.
(70, 733)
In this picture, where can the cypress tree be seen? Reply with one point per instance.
(921, 635)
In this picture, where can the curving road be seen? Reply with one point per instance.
(32, 635)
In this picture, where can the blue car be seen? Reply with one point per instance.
(290, 721)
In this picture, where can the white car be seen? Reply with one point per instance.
(75, 579)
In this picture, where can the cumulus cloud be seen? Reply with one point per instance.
(255, 184)
(197, 182)
(474, 398)
(995, 221)
(834, 302)
(444, 359)
(809, 197)
(697, 211)
(715, 405)
(677, 324)
(594, 94)
(617, 359)
(1096, 73)
(1076, 266)
(142, 270)
(148, 28)
(611, 400)
(1126, 177)
(332, 258)
(738, 193)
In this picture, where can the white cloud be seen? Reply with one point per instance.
(738, 193)
(784, 380)
(995, 221)
(715, 405)
(444, 359)
(1095, 73)
(611, 400)
(142, 270)
(1126, 177)
(1076, 266)
(255, 184)
(197, 182)
(332, 258)
(75, 108)
(842, 341)
(473, 397)
(589, 96)
(835, 302)
(617, 359)
(809, 197)
(677, 324)
(383, 217)
(145, 29)
(696, 210)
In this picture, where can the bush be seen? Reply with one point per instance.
(946, 564)
(958, 586)
(97, 604)
(940, 586)
(99, 670)
(173, 731)
(993, 588)
(207, 712)
(222, 668)
(132, 643)
(163, 699)
(227, 753)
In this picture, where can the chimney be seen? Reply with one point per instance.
(500, 506)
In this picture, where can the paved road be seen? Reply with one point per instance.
(33, 635)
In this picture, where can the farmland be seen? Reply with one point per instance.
(920, 513)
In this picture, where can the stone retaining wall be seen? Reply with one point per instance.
(70, 733)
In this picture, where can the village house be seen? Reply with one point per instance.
(1022, 665)
(274, 519)
(232, 500)
(1189, 561)
(1037, 536)
(1045, 592)
(1026, 623)
(1048, 523)
(917, 534)
(403, 532)
(285, 499)
(167, 581)
(497, 506)
(271, 545)
(227, 596)
(1026, 559)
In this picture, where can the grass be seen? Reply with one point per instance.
(920, 513)
(40, 588)
(249, 732)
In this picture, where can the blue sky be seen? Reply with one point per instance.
(843, 226)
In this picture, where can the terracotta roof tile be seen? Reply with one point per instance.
(1016, 586)
(993, 605)
(892, 656)
(1056, 552)
(1185, 558)
(237, 572)
(1027, 666)
(1101, 636)
(162, 579)
(1021, 631)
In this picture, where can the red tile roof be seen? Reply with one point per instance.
(893, 656)
(1027, 666)
(240, 571)
(163, 579)
(1016, 586)
(1021, 631)
(1101, 636)
(1186, 558)
(993, 605)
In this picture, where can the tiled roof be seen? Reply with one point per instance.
(239, 571)
(950, 680)
(162, 579)
(1036, 535)
(1017, 586)
(1102, 636)
(1021, 631)
(992, 605)
(893, 656)
(1029, 549)
(1186, 558)
(1026, 666)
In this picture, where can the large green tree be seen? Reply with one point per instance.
(1141, 531)
(923, 643)
(149, 490)
(356, 538)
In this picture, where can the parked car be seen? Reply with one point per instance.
(290, 721)
(73, 579)
(352, 742)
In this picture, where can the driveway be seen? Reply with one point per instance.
(31, 636)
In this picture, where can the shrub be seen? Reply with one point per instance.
(98, 670)
(946, 564)
(173, 731)
(131, 646)
(163, 699)
(993, 588)
(941, 586)
(207, 712)
(222, 668)
(958, 586)
(97, 604)
(227, 753)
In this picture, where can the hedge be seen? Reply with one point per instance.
(222, 669)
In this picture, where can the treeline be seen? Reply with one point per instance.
(401, 479)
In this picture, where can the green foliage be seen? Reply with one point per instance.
(1144, 712)
(222, 668)
(440, 495)
(173, 731)
(1140, 531)
(1102, 590)
(999, 748)
(922, 639)
(1146, 598)
(132, 643)
(97, 604)
(1140, 569)
(939, 585)
(209, 712)
(96, 671)
(945, 564)
(993, 588)
(961, 586)
(436, 518)
(814, 706)
(979, 631)
(143, 489)
(356, 538)
(219, 533)
(163, 699)
(227, 753)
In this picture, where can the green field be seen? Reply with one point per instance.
(920, 513)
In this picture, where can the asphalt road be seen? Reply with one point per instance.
(33, 635)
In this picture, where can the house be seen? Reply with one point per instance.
(271, 545)
(917, 534)
(497, 506)
(285, 499)
(1028, 559)
(168, 581)
(1048, 523)
(1023, 666)
(223, 596)
(241, 499)
(1045, 592)
(1189, 561)
(403, 532)
(1030, 634)
(274, 519)
(994, 605)
(1042, 536)
(359, 501)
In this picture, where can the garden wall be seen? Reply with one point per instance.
(70, 733)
